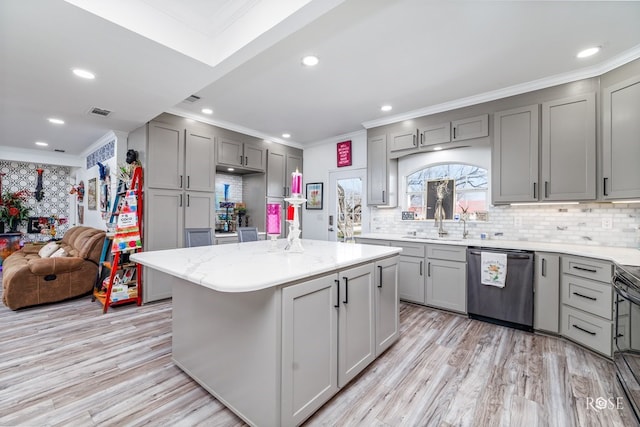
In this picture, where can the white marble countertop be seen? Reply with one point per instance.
(251, 266)
(623, 256)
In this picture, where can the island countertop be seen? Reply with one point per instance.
(252, 266)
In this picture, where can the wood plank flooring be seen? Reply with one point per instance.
(66, 364)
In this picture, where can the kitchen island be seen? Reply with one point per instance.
(271, 334)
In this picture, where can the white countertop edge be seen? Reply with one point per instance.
(196, 264)
(618, 255)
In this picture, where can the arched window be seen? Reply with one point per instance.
(465, 190)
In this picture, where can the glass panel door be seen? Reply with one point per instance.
(346, 202)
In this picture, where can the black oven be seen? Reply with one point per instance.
(626, 346)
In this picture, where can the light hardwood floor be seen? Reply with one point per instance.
(66, 364)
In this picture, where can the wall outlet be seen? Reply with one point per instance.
(607, 223)
(517, 221)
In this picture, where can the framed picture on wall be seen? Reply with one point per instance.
(314, 196)
(91, 195)
(443, 190)
(33, 225)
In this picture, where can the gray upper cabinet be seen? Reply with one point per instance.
(472, 127)
(434, 135)
(620, 146)
(280, 165)
(514, 162)
(382, 173)
(239, 154)
(165, 162)
(200, 171)
(569, 149)
(403, 141)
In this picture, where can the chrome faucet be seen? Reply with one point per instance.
(465, 232)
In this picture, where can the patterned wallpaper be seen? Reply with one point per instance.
(103, 153)
(56, 185)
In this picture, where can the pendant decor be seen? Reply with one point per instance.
(39, 193)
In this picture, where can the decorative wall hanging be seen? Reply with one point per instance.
(314, 195)
(91, 195)
(344, 153)
(39, 193)
(80, 214)
(103, 153)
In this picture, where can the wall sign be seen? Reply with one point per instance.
(344, 153)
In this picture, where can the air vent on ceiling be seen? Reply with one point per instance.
(192, 99)
(58, 150)
(99, 112)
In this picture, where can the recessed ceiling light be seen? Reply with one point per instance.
(41, 144)
(588, 52)
(286, 135)
(386, 108)
(56, 121)
(310, 60)
(207, 111)
(84, 74)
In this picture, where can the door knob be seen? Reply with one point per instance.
(330, 228)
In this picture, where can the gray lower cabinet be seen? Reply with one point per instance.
(330, 333)
(446, 285)
(411, 271)
(514, 156)
(546, 285)
(568, 156)
(620, 147)
(586, 314)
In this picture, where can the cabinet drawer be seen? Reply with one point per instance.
(410, 249)
(586, 267)
(447, 252)
(592, 297)
(591, 331)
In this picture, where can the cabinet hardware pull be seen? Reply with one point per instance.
(246, 160)
(583, 330)
(546, 189)
(414, 140)
(188, 200)
(454, 132)
(421, 138)
(346, 290)
(380, 271)
(181, 200)
(428, 268)
(534, 191)
(240, 160)
(590, 270)
(383, 199)
(421, 268)
(284, 191)
(188, 181)
(180, 181)
(544, 267)
(585, 296)
(338, 296)
(604, 186)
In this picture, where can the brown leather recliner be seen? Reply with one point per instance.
(29, 280)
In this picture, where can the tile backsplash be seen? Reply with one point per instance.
(575, 224)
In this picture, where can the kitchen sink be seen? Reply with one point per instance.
(434, 239)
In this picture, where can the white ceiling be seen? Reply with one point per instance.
(243, 59)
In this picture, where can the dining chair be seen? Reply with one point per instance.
(197, 237)
(247, 234)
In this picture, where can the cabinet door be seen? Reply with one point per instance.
(411, 279)
(514, 162)
(377, 193)
(434, 135)
(309, 347)
(473, 127)
(230, 153)
(199, 211)
(356, 322)
(569, 149)
(276, 185)
(447, 285)
(387, 304)
(162, 231)
(255, 157)
(200, 162)
(546, 303)
(165, 162)
(620, 146)
(405, 140)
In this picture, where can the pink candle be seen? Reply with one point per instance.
(273, 218)
(296, 182)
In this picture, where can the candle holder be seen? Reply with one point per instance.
(295, 245)
(273, 223)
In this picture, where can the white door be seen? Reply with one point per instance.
(347, 204)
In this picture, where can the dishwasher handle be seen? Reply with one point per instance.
(509, 255)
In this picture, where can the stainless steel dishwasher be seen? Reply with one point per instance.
(511, 305)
